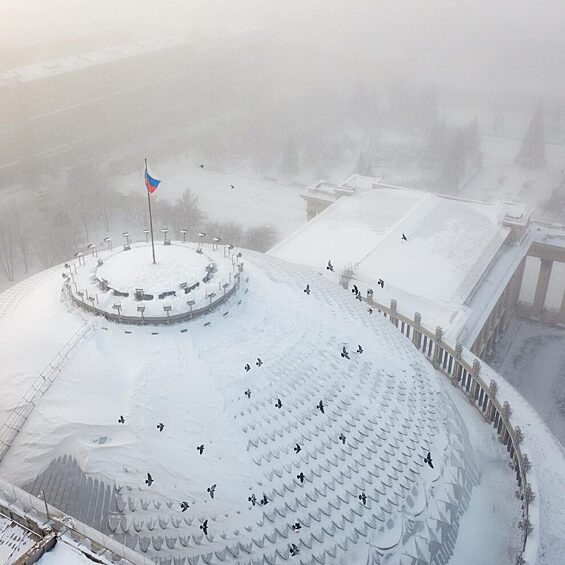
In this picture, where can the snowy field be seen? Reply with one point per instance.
(253, 201)
(501, 179)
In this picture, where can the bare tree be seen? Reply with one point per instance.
(7, 245)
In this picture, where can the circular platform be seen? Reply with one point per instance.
(125, 286)
(135, 269)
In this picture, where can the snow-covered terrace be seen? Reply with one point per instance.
(187, 280)
(450, 243)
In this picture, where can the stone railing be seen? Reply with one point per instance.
(18, 416)
(464, 371)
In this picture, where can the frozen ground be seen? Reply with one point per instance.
(532, 358)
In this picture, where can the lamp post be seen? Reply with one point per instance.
(44, 497)
(108, 241)
(92, 247)
(215, 241)
(146, 232)
(201, 235)
(80, 256)
(165, 240)
(190, 304)
(141, 310)
(127, 245)
(167, 309)
(118, 307)
(184, 232)
(227, 249)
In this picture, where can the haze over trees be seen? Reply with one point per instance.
(292, 92)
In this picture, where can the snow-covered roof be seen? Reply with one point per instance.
(45, 69)
(64, 554)
(15, 540)
(450, 243)
(384, 409)
(360, 182)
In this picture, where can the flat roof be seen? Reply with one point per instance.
(450, 244)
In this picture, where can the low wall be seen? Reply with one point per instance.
(153, 320)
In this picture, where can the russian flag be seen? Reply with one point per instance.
(151, 183)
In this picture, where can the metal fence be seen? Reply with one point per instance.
(18, 416)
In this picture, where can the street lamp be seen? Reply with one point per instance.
(184, 232)
(80, 256)
(127, 245)
(141, 310)
(166, 241)
(146, 232)
(190, 304)
(167, 309)
(108, 241)
(44, 497)
(201, 235)
(118, 307)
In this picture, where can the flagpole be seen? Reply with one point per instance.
(150, 219)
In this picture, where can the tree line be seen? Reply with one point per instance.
(40, 228)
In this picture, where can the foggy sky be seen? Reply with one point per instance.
(501, 45)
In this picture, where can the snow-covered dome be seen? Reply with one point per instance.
(295, 425)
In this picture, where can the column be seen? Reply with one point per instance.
(516, 283)
(541, 288)
(561, 317)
